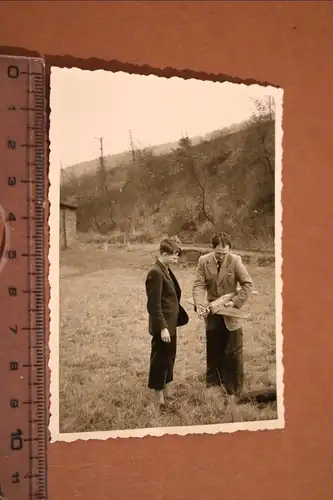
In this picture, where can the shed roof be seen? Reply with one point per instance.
(69, 203)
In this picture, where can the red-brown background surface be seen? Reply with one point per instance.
(286, 44)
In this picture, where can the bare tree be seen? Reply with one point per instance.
(194, 166)
(263, 120)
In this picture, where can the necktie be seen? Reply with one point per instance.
(218, 267)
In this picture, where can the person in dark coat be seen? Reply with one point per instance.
(165, 315)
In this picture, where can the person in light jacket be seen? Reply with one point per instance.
(218, 273)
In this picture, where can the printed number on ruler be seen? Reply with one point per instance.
(23, 354)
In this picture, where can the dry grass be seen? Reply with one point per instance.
(104, 347)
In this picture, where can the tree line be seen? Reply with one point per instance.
(225, 183)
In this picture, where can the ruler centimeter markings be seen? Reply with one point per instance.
(23, 346)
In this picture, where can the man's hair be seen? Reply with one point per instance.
(169, 246)
(221, 239)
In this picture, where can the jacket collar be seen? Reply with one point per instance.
(165, 270)
(212, 264)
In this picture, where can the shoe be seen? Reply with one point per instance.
(170, 398)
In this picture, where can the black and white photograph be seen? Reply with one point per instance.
(165, 256)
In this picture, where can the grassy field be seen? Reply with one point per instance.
(105, 346)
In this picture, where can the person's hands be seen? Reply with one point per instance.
(230, 303)
(202, 311)
(165, 335)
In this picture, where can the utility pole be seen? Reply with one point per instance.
(101, 163)
(132, 146)
(61, 172)
(101, 145)
(103, 181)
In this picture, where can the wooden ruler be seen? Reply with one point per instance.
(23, 280)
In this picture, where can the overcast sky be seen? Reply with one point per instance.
(88, 104)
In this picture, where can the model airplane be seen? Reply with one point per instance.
(218, 306)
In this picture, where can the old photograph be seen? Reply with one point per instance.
(165, 256)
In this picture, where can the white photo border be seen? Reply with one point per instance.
(54, 278)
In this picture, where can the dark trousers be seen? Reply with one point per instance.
(162, 360)
(225, 357)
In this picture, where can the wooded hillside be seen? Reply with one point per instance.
(224, 182)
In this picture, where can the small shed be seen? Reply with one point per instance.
(68, 223)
